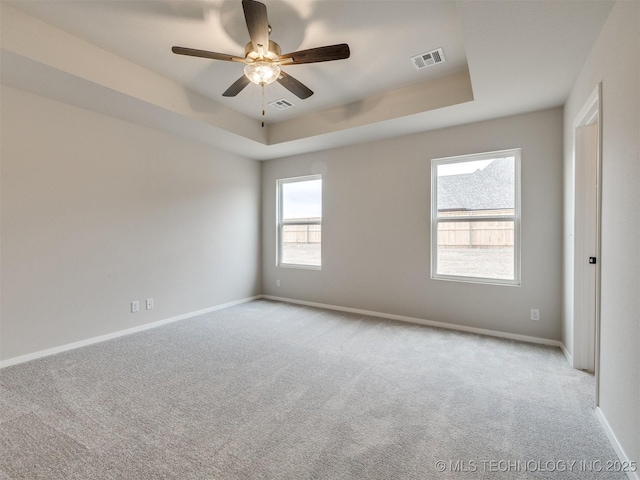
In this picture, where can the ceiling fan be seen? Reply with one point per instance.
(263, 57)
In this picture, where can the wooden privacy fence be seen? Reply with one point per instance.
(450, 234)
(302, 234)
(475, 234)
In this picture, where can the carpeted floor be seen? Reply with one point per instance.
(268, 390)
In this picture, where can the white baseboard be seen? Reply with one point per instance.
(567, 355)
(83, 343)
(622, 456)
(430, 323)
(120, 333)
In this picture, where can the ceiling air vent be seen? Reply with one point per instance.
(428, 59)
(282, 104)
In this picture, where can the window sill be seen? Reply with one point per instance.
(300, 267)
(483, 281)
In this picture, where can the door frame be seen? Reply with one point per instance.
(590, 113)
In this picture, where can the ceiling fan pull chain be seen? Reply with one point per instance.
(263, 105)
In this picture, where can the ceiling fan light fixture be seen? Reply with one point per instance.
(263, 56)
(262, 73)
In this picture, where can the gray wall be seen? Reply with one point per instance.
(376, 208)
(615, 61)
(97, 212)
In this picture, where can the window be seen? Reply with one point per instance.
(475, 218)
(300, 222)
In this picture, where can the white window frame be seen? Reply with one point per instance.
(282, 223)
(515, 218)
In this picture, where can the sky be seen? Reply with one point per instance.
(462, 167)
(302, 199)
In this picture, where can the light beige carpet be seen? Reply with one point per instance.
(268, 390)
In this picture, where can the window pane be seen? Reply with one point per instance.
(302, 200)
(301, 244)
(476, 249)
(478, 187)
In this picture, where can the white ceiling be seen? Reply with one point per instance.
(518, 55)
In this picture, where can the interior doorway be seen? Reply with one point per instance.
(587, 201)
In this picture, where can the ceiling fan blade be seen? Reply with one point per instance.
(296, 87)
(237, 87)
(205, 54)
(319, 54)
(255, 14)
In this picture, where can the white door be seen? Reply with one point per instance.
(587, 261)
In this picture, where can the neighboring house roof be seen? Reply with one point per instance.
(491, 188)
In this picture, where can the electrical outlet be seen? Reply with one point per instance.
(149, 303)
(535, 314)
(277, 283)
(135, 306)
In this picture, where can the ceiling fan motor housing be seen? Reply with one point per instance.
(274, 52)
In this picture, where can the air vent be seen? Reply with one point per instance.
(428, 59)
(282, 104)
